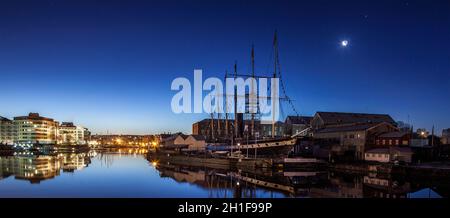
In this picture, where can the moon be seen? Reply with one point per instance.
(344, 43)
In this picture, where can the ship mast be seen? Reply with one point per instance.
(275, 50)
(236, 128)
(226, 110)
(252, 93)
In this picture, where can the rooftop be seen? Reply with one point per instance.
(343, 118)
(298, 119)
(393, 135)
(349, 128)
(32, 116)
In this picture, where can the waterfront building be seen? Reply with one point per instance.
(394, 139)
(332, 119)
(68, 133)
(195, 142)
(7, 131)
(34, 129)
(87, 134)
(176, 141)
(184, 142)
(205, 127)
(445, 139)
(296, 124)
(353, 138)
(350, 132)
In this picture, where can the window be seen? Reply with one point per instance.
(397, 142)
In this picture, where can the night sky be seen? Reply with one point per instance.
(108, 65)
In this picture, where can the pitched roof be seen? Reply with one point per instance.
(343, 118)
(298, 119)
(173, 137)
(349, 128)
(198, 137)
(4, 119)
(393, 135)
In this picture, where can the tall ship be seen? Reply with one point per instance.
(247, 134)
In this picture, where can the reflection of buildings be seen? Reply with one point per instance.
(31, 168)
(240, 184)
(338, 186)
(72, 162)
(38, 168)
(375, 187)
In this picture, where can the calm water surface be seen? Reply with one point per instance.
(128, 173)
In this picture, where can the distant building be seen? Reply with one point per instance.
(445, 139)
(351, 132)
(203, 128)
(68, 133)
(331, 119)
(34, 129)
(175, 142)
(394, 139)
(353, 138)
(296, 124)
(7, 131)
(266, 129)
(195, 142)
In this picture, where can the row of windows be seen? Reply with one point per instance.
(352, 136)
(391, 142)
(377, 155)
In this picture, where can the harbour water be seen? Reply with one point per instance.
(127, 173)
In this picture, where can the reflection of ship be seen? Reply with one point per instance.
(224, 183)
(242, 182)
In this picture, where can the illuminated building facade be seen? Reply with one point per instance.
(68, 133)
(34, 129)
(7, 131)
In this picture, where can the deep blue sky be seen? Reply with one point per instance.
(108, 65)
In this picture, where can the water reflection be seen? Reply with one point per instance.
(304, 184)
(128, 173)
(36, 168)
